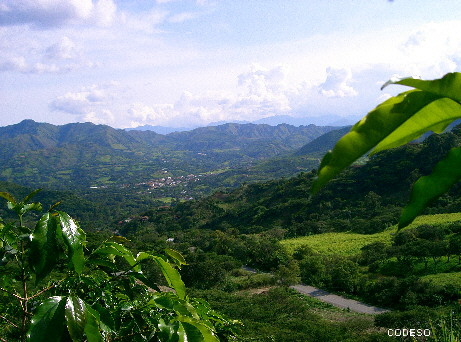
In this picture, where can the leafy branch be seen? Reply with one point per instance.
(431, 106)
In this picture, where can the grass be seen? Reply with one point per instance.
(444, 279)
(348, 244)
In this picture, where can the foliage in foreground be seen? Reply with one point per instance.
(53, 289)
(430, 106)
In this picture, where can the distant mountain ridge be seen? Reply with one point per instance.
(84, 154)
(275, 120)
(323, 143)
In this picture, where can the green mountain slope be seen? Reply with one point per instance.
(84, 155)
(365, 199)
(323, 143)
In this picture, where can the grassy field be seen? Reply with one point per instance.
(444, 279)
(348, 244)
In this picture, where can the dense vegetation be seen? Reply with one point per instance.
(52, 291)
(411, 271)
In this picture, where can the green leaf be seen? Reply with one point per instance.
(447, 86)
(47, 324)
(197, 331)
(75, 317)
(369, 131)
(435, 117)
(92, 325)
(171, 274)
(29, 196)
(8, 197)
(105, 318)
(82, 320)
(74, 237)
(54, 206)
(43, 247)
(177, 257)
(119, 239)
(113, 248)
(8, 235)
(446, 173)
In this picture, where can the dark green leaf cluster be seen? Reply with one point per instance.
(65, 293)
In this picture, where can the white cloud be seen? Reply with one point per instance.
(15, 63)
(89, 104)
(56, 13)
(104, 12)
(182, 17)
(432, 50)
(337, 83)
(64, 49)
(102, 117)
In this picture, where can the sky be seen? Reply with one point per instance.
(185, 63)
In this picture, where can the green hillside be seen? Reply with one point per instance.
(364, 199)
(350, 244)
(84, 155)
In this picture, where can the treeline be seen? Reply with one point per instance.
(390, 275)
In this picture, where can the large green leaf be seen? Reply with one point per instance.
(8, 197)
(447, 86)
(106, 320)
(75, 317)
(435, 117)
(82, 320)
(177, 257)
(43, 247)
(369, 131)
(74, 237)
(47, 324)
(171, 274)
(114, 248)
(196, 331)
(92, 325)
(445, 174)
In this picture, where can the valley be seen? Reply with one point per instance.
(233, 202)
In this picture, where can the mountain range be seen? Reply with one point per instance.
(324, 120)
(83, 155)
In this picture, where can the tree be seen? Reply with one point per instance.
(53, 289)
(430, 106)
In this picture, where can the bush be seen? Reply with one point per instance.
(52, 291)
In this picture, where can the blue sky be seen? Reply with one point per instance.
(191, 62)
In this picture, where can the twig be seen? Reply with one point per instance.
(44, 290)
(11, 294)
(9, 322)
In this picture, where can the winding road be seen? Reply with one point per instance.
(338, 301)
(327, 297)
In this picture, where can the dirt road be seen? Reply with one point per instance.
(338, 301)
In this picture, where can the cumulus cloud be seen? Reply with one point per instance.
(265, 92)
(88, 104)
(55, 13)
(64, 49)
(433, 49)
(261, 92)
(337, 84)
(60, 57)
